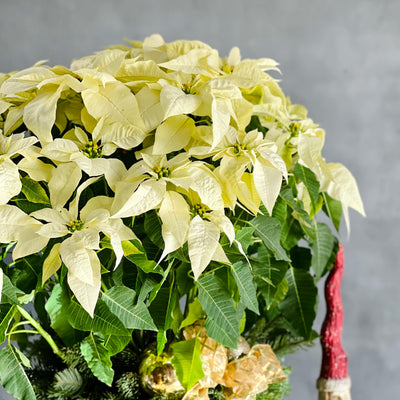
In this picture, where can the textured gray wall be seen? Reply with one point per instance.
(339, 58)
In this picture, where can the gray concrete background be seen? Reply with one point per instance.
(339, 58)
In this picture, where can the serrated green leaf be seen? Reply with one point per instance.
(161, 309)
(98, 359)
(55, 307)
(310, 181)
(322, 245)
(333, 209)
(187, 362)
(245, 237)
(115, 343)
(268, 275)
(25, 272)
(244, 280)
(34, 191)
(140, 259)
(119, 300)
(280, 210)
(269, 230)
(146, 287)
(195, 313)
(13, 376)
(7, 313)
(152, 227)
(299, 305)
(222, 323)
(291, 233)
(104, 320)
(9, 292)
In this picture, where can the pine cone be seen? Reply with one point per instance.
(128, 386)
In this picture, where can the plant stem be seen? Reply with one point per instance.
(42, 332)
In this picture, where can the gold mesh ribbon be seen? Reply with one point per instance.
(242, 378)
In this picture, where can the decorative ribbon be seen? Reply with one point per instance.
(242, 378)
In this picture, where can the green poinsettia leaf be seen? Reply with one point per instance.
(115, 343)
(55, 307)
(333, 209)
(269, 276)
(162, 311)
(269, 230)
(34, 191)
(187, 362)
(244, 280)
(222, 323)
(104, 320)
(7, 312)
(245, 237)
(299, 305)
(119, 300)
(98, 359)
(322, 245)
(195, 312)
(310, 181)
(291, 233)
(9, 292)
(139, 258)
(13, 376)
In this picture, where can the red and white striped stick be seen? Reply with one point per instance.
(334, 382)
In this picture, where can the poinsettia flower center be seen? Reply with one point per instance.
(92, 150)
(199, 209)
(162, 172)
(75, 225)
(238, 147)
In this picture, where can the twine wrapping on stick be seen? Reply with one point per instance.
(334, 382)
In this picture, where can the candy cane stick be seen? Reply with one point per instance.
(334, 382)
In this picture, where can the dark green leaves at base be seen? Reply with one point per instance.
(222, 323)
(104, 320)
(299, 305)
(269, 230)
(187, 363)
(119, 300)
(12, 374)
(97, 358)
(55, 307)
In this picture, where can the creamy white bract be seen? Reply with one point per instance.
(182, 112)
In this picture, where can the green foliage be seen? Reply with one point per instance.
(322, 245)
(67, 383)
(104, 320)
(299, 305)
(247, 290)
(119, 300)
(222, 323)
(269, 230)
(56, 306)
(310, 181)
(12, 374)
(33, 191)
(187, 363)
(97, 358)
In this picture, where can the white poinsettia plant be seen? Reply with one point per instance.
(152, 185)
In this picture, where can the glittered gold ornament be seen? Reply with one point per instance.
(158, 376)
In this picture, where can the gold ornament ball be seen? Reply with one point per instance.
(158, 376)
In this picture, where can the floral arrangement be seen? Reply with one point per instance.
(158, 225)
